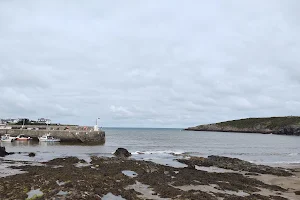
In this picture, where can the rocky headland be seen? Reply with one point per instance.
(276, 125)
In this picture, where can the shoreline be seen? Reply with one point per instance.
(262, 132)
(140, 179)
(287, 166)
(159, 157)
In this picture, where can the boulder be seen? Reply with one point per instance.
(191, 166)
(121, 152)
(3, 152)
(31, 154)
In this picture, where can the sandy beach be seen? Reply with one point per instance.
(291, 184)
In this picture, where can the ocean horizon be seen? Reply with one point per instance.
(164, 145)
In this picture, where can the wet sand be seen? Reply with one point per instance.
(290, 183)
(114, 178)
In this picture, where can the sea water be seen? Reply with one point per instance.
(165, 145)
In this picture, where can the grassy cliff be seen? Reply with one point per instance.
(278, 125)
(270, 123)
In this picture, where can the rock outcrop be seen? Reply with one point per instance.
(275, 125)
(3, 152)
(123, 153)
(234, 164)
(153, 181)
(31, 154)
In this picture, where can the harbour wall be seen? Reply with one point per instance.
(80, 134)
(51, 127)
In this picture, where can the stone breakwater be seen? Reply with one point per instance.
(285, 130)
(71, 135)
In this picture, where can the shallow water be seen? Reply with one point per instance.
(164, 145)
(110, 196)
(145, 191)
(130, 173)
(7, 170)
(33, 193)
(62, 193)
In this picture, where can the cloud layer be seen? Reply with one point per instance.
(150, 63)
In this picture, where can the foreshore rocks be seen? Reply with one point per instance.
(3, 152)
(234, 164)
(122, 153)
(31, 154)
(275, 125)
(290, 130)
(104, 175)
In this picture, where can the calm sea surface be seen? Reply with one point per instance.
(160, 145)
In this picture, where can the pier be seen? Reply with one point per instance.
(66, 133)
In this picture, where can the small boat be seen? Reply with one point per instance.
(48, 138)
(7, 138)
(23, 138)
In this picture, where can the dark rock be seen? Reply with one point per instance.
(252, 174)
(3, 152)
(235, 164)
(93, 183)
(68, 185)
(99, 191)
(121, 152)
(297, 192)
(31, 154)
(65, 161)
(277, 198)
(191, 167)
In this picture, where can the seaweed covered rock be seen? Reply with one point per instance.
(31, 154)
(235, 164)
(121, 152)
(3, 152)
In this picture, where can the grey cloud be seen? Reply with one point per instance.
(151, 63)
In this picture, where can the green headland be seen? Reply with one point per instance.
(289, 125)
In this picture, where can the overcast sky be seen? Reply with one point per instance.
(149, 63)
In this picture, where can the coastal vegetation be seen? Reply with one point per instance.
(268, 122)
(289, 125)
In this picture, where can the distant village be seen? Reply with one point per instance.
(40, 124)
(24, 121)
